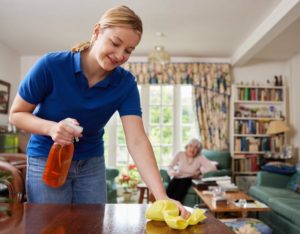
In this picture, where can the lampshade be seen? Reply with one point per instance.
(277, 126)
(159, 55)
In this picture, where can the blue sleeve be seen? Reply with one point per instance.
(131, 104)
(36, 84)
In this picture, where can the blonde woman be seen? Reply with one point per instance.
(185, 166)
(87, 85)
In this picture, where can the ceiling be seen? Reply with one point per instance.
(238, 31)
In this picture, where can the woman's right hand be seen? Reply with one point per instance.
(62, 133)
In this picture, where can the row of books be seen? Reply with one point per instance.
(247, 163)
(252, 144)
(260, 94)
(250, 127)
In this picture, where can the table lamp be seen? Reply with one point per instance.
(276, 127)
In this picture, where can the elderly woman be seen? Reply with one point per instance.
(185, 166)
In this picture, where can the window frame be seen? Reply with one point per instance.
(113, 124)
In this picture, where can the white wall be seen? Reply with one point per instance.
(26, 64)
(9, 72)
(260, 72)
(294, 68)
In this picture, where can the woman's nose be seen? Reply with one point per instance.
(120, 55)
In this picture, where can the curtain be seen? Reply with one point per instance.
(211, 82)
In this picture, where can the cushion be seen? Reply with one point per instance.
(247, 225)
(294, 182)
(264, 193)
(280, 168)
(222, 157)
(287, 207)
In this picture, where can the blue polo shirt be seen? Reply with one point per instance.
(59, 88)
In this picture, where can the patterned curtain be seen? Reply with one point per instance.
(211, 83)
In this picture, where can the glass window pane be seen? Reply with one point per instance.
(167, 95)
(186, 94)
(157, 154)
(188, 133)
(154, 97)
(167, 115)
(167, 136)
(121, 135)
(154, 115)
(122, 156)
(167, 156)
(187, 115)
(154, 135)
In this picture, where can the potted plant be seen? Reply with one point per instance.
(129, 179)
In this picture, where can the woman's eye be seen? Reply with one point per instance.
(115, 44)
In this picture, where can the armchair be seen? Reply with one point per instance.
(111, 174)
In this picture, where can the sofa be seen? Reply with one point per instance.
(111, 174)
(275, 190)
(224, 168)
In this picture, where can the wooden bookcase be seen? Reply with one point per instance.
(253, 107)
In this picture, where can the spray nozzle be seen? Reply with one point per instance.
(77, 128)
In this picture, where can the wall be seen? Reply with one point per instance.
(9, 72)
(26, 63)
(294, 69)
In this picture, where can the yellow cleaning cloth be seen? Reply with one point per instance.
(165, 210)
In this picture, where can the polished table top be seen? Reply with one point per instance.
(109, 218)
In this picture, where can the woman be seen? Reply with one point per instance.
(86, 85)
(185, 166)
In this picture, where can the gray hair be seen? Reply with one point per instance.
(194, 141)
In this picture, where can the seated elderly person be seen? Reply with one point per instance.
(185, 166)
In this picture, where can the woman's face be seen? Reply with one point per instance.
(192, 150)
(113, 46)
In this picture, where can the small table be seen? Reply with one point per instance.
(230, 207)
(149, 196)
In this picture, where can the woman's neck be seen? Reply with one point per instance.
(92, 70)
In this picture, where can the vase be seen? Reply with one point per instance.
(127, 196)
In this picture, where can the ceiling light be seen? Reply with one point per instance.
(159, 55)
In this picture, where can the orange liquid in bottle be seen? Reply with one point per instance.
(58, 165)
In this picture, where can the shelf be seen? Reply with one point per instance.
(256, 118)
(259, 87)
(251, 135)
(259, 102)
(253, 107)
(250, 152)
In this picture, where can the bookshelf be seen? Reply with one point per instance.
(253, 107)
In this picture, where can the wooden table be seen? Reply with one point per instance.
(144, 190)
(230, 207)
(109, 218)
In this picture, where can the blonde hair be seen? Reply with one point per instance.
(194, 141)
(119, 16)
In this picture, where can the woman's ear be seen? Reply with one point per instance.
(96, 32)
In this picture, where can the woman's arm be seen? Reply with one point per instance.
(171, 166)
(21, 116)
(142, 153)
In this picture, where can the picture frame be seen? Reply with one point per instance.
(4, 96)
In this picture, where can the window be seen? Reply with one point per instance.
(161, 123)
(169, 121)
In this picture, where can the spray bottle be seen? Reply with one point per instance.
(59, 161)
